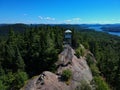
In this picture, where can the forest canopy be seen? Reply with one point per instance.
(28, 50)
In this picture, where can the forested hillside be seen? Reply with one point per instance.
(106, 49)
(24, 55)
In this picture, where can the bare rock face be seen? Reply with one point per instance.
(51, 81)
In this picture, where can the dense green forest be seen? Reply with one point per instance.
(106, 50)
(24, 54)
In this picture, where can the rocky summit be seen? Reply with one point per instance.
(52, 81)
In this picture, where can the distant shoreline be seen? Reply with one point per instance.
(111, 29)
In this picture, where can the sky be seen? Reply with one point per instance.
(60, 11)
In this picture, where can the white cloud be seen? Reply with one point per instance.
(40, 17)
(76, 19)
(68, 20)
(49, 18)
(73, 20)
(46, 18)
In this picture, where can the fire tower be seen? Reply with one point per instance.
(68, 37)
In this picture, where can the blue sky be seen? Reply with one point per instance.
(60, 11)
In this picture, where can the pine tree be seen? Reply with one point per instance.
(20, 65)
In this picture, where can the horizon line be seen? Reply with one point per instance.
(60, 23)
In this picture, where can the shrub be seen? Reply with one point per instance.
(2, 87)
(83, 86)
(89, 59)
(101, 84)
(20, 78)
(93, 66)
(80, 51)
(66, 75)
(95, 70)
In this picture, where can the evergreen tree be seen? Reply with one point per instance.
(20, 65)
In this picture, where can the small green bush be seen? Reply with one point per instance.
(101, 84)
(2, 87)
(21, 77)
(83, 86)
(66, 75)
(93, 66)
(89, 59)
(80, 51)
(95, 70)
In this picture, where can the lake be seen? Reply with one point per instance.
(98, 28)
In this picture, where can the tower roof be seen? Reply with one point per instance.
(68, 31)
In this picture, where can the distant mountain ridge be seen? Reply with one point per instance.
(5, 28)
(20, 27)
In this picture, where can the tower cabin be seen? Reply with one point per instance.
(68, 37)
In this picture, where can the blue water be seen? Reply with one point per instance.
(98, 28)
(115, 33)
